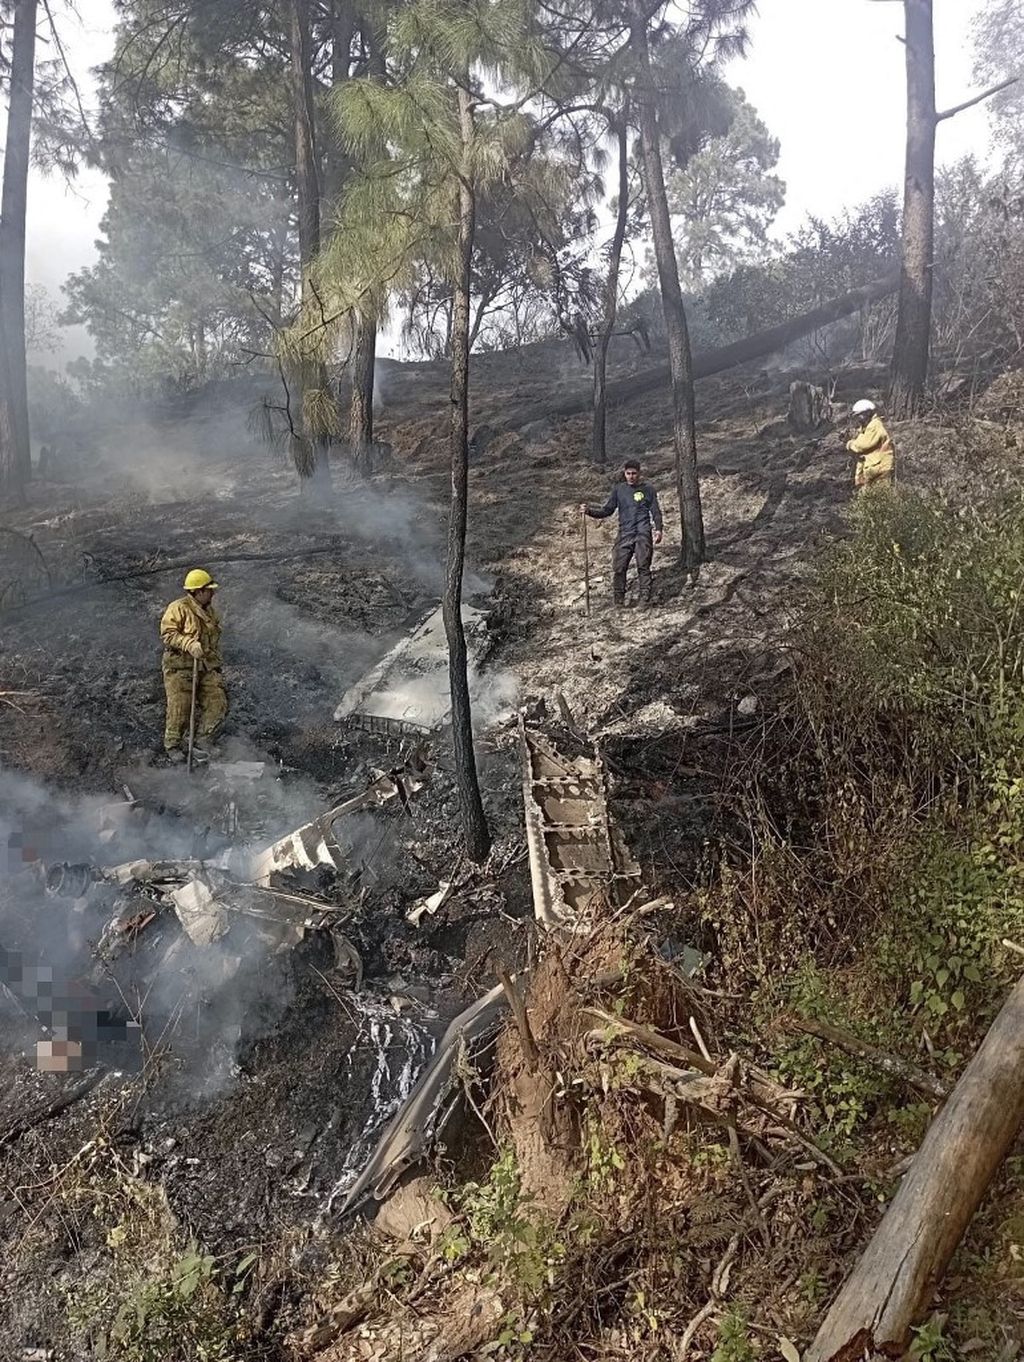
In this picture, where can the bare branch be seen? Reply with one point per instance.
(977, 99)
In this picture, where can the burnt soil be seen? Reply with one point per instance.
(253, 1155)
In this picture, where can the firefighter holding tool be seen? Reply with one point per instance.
(874, 450)
(190, 632)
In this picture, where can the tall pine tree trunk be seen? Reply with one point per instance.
(309, 447)
(475, 830)
(913, 328)
(364, 366)
(364, 351)
(684, 429)
(611, 302)
(15, 446)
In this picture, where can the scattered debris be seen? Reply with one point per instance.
(315, 844)
(429, 906)
(407, 691)
(579, 863)
(429, 1107)
(201, 916)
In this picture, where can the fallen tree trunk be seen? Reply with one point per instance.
(714, 361)
(892, 1285)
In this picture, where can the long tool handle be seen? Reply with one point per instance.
(586, 565)
(192, 713)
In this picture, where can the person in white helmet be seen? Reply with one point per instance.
(874, 449)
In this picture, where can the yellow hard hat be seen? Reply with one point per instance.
(199, 578)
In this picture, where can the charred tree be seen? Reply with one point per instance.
(309, 448)
(364, 368)
(476, 832)
(912, 345)
(15, 446)
(891, 1287)
(914, 325)
(611, 300)
(364, 349)
(684, 425)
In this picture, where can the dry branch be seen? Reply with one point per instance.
(891, 1287)
(530, 1052)
(925, 1083)
(173, 565)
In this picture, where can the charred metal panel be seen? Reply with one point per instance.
(579, 862)
(407, 691)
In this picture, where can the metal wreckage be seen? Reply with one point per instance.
(244, 900)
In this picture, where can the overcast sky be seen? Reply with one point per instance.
(827, 77)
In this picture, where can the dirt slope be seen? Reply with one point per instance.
(254, 1159)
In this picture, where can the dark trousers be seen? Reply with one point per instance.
(640, 547)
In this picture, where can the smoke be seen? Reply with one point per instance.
(55, 956)
(495, 697)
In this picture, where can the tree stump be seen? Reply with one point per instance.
(809, 406)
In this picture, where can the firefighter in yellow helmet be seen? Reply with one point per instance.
(873, 446)
(190, 631)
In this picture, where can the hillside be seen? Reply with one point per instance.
(194, 1193)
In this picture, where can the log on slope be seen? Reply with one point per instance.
(716, 361)
(892, 1285)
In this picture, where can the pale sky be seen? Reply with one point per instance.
(827, 76)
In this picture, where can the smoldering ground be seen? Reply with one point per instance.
(199, 1003)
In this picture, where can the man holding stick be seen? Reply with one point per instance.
(197, 702)
(640, 531)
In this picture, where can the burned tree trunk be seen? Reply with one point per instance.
(809, 406)
(364, 364)
(913, 327)
(891, 1287)
(611, 301)
(308, 377)
(476, 832)
(15, 446)
(684, 424)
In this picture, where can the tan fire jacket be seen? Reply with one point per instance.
(876, 453)
(184, 621)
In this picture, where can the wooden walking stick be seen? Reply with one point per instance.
(192, 713)
(586, 565)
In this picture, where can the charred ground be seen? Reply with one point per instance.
(680, 699)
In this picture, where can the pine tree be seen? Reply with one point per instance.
(429, 142)
(15, 449)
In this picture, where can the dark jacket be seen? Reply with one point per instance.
(637, 507)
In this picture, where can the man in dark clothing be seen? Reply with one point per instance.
(640, 530)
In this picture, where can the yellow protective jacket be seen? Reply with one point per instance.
(183, 621)
(874, 447)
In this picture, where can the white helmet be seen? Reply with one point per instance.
(862, 407)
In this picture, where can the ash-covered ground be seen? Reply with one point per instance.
(256, 1099)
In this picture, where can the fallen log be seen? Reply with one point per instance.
(157, 570)
(717, 361)
(892, 1285)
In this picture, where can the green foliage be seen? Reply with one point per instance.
(734, 1343)
(843, 1091)
(153, 1323)
(919, 660)
(930, 1343)
(820, 261)
(724, 197)
(519, 1240)
(604, 1162)
(918, 616)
